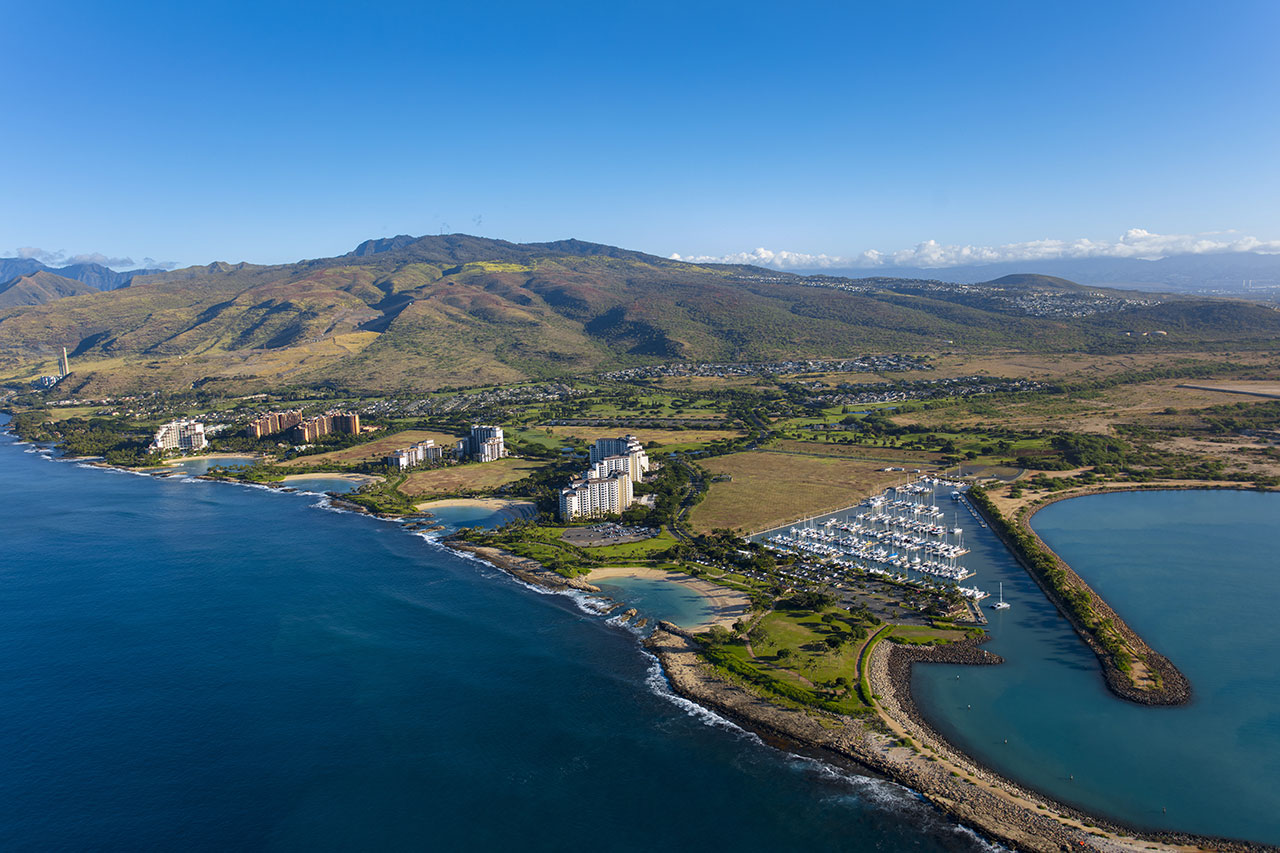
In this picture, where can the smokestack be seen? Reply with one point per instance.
(66, 368)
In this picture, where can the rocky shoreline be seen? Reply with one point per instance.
(527, 570)
(899, 745)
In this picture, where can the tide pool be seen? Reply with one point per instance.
(1196, 574)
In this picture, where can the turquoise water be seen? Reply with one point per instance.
(196, 467)
(655, 599)
(1197, 574)
(203, 666)
(323, 484)
(455, 517)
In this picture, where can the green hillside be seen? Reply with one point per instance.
(406, 313)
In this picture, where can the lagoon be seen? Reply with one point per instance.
(1197, 574)
(659, 599)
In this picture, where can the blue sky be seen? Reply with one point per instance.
(270, 132)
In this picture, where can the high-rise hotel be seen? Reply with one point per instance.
(607, 487)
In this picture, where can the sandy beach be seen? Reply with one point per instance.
(359, 479)
(727, 605)
(512, 510)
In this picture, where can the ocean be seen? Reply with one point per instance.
(206, 666)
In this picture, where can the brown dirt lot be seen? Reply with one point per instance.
(769, 489)
(475, 477)
(377, 448)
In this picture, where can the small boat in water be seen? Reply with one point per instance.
(1001, 604)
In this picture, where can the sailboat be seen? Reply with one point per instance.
(1001, 604)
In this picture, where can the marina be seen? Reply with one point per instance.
(901, 533)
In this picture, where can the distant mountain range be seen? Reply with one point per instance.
(419, 313)
(96, 276)
(1240, 273)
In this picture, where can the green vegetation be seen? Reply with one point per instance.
(808, 651)
(116, 440)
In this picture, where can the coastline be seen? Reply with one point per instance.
(727, 605)
(529, 571)
(929, 765)
(994, 805)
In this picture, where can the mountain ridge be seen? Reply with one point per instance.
(40, 287)
(444, 310)
(96, 276)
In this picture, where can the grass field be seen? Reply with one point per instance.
(376, 449)
(866, 452)
(664, 437)
(768, 489)
(476, 477)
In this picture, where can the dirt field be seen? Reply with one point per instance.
(661, 436)
(769, 489)
(477, 477)
(376, 449)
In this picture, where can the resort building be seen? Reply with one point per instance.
(628, 447)
(311, 430)
(593, 496)
(272, 423)
(486, 443)
(181, 435)
(304, 431)
(346, 422)
(414, 455)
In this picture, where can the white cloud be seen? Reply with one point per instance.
(61, 259)
(1134, 243)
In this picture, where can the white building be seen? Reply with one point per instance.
(610, 465)
(628, 446)
(181, 435)
(486, 443)
(414, 455)
(595, 496)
